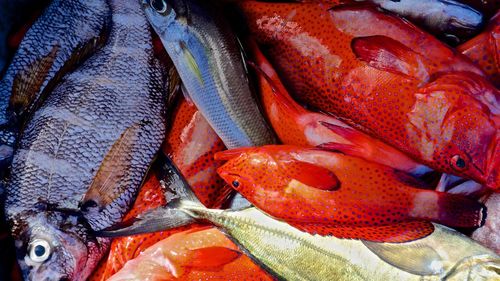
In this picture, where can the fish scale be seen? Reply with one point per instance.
(115, 97)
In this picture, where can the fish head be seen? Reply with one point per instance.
(166, 15)
(55, 246)
(249, 169)
(454, 124)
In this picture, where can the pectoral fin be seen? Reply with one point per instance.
(106, 186)
(413, 258)
(313, 175)
(394, 233)
(387, 54)
(28, 82)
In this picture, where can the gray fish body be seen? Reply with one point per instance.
(207, 56)
(116, 94)
(66, 33)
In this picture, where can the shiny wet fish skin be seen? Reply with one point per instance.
(115, 97)
(209, 61)
(291, 254)
(66, 33)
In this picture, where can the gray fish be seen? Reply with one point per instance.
(291, 254)
(67, 32)
(209, 61)
(83, 154)
(451, 20)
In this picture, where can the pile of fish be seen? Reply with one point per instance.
(250, 140)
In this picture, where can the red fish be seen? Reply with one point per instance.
(484, 50)
(386, 77)
(297, 126)
(191, 144)
(200, 253)
(332, 193)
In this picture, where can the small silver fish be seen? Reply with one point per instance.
(291, 254)
(209, 61)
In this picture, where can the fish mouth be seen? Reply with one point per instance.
(231, 153)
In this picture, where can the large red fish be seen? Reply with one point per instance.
(191, 144)
(387, 78)
(332, 193)
(297, 126)
(484, 50)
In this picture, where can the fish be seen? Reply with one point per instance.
(191, 144)
(295, 125)
(64, 35)
(488, 7)
(334, 194)
(84, 153)
(449, 20)
(127, 248)
(290, 254)
(489, 234)
(483, 50)
(208, 58)
(200, 253)
(387, 78)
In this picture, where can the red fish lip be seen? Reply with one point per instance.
(493, 174)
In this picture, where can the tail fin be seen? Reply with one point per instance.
(449, 209)
(177, 193)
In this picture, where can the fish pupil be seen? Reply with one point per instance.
(39, 250)
(460, 163)
(236, 183)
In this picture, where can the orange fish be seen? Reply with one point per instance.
(200, 253)
(191, 144)
(484, 50)
(297, 126)
(332, 193)
(384, 76)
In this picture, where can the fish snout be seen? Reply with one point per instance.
(493, 169)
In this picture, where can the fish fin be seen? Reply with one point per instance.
(152, 221)
(449, 209)
(212, 257)
(394, 233)
(28, 82)
(106, 186)
(191, 63)
(390, 55)
(413, 258)
(313, 175)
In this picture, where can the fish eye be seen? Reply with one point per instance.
(458, 163)
(159, 5)
(39, 250)
(236, 183)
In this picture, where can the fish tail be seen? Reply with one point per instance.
(178, 211)
(453, 210)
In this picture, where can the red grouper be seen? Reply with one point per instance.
(386, 77)
(328, 193)
(296, 125)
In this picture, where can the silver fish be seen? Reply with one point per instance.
(84, 153)
(66, 33)
(291, 254)
(209, 61)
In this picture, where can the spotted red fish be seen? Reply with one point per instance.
(191, 143)
(297, 126)
(332, 193)
(387, 78)
(484, 50)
